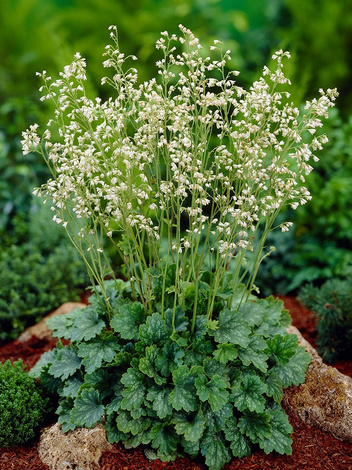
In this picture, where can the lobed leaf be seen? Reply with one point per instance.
(225, 352)
(134, 393)
(280, 439)
(160, 399)
(191, 427)
(213, 391)
(154, 331)
(294, 371)
(215, 452)
(97, 351)
(87, 326)
(127, 424)
(147, 364)
(62, 325)
(248, 394)
(274, 387)
(165, 440)
(282, 347)
(254, 353)
(256, 426)
(88, 409)
(171, 358)
(183, 396)
(127, 319)
(65, 363)
(176, 321)
(232, 328)
(253, 312)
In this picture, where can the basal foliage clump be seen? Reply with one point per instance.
(181, 173)
(23, 405)
(215, 392)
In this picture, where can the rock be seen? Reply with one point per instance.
(325, 398)
(41, 330)
(80, 449)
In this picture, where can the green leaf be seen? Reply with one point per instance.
(142, 437)
(112, 433)
(113, 406)
(274, 387)
(88, 409)
(294, 371)
(253, 312)
(159, 397)
(190, 448)
(147, 364)
(176, 322)
(215, 452)
(253, 353)
(213, 367)
(45, 360)
(213, 391)
(232, 329)
(170, 359)
(64, 412)
(282, 347)
(240, 444)
(225, 352)
(72, 387)
(200, 329)
(280, 439)
(87, 326)
(126, 423)
(184, 394)
(65, 364)
(248, 394)
(165, 440)
(154, 331)
(191, 427)
(255, 425)
(96, 351)
(134, 393)
(127, 319)
(62, 325)
(216, 420)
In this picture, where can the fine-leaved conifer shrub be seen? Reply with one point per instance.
(332, 305)
(23, 405)
(179, 172)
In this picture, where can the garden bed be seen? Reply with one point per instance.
(312, 448)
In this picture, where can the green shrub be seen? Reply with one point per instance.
(332, 305)
(23, 405)
(32, 284)
(215, 392)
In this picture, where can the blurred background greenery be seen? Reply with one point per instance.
(44, 34)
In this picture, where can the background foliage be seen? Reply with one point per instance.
(44, 34)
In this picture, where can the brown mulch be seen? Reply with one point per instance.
(312, 448)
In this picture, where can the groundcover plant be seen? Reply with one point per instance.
(178, 173)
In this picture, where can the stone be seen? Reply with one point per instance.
(80, 449)
(41, 330)
(325, 398)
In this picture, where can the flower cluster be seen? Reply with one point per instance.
(189, 156)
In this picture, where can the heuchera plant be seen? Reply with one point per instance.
(178, 172)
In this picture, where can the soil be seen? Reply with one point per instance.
(312, 448)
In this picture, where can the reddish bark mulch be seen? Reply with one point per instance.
(312, 448)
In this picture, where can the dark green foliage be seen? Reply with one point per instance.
(33, 285)
(23, 405)
(332, 305)
(215, 391)
(39, 270)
